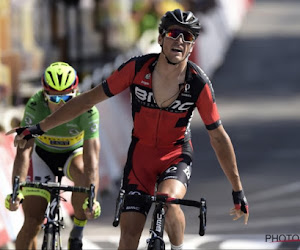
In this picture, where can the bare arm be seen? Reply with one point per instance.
(21, 166)
(22, 161)
(223, 148)
(91, 150)
(74, 108)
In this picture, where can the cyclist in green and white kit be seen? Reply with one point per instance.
(72, 147)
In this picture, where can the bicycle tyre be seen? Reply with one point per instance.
(48, 241)
(57, 241)
(51, 239)
(156, 244)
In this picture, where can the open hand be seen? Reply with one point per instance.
(19, 140)
(238, 213)
(25, 133)
(241, 207)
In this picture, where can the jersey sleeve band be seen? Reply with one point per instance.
(213, 125)
(106, 89)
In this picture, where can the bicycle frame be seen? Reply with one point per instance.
(156, 242)
(54, 220)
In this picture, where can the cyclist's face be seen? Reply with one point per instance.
(177, 45)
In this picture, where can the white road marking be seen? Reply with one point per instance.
(258, 223)
(193, 241)
(275, 192)
(275, 204)
(89, 245)
(247, 244)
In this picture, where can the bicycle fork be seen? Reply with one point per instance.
(52, 226)
(157, 228)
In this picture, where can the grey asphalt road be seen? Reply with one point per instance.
(258, 94)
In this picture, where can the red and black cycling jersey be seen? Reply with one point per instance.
(163, 127)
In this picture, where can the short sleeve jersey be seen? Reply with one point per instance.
(168, 126)
(66, 137)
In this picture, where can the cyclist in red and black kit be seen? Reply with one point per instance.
(165, 90)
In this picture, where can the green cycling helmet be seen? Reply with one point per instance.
(60, 76)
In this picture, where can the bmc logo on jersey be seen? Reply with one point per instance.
(145, 97)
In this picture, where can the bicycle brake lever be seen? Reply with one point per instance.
(91, 197)
(119, 205)
(15, 189)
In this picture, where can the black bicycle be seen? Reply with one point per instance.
(54, 219)
(156, 242)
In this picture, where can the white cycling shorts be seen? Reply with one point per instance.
(40, 171)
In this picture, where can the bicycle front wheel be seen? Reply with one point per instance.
(48, 241)
(51, 238)
(156, 244)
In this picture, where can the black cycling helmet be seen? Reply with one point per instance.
(185, 19)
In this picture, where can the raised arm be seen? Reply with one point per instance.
(67, 112)
(74, 108)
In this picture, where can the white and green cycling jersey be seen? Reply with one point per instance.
(66, 137)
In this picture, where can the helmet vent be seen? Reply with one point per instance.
(185, 19)
(50, 73)
(68, 75)
(59, 76)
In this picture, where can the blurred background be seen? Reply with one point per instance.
(250, 50)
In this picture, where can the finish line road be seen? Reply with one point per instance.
(258, 92)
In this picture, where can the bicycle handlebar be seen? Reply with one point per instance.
(51, 186)
(15, 189)
(190, 203)
(202, 217)
(91, 197)
(163, 198)
(119, 205)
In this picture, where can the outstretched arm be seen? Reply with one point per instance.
(74, 108)
(65, 113)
